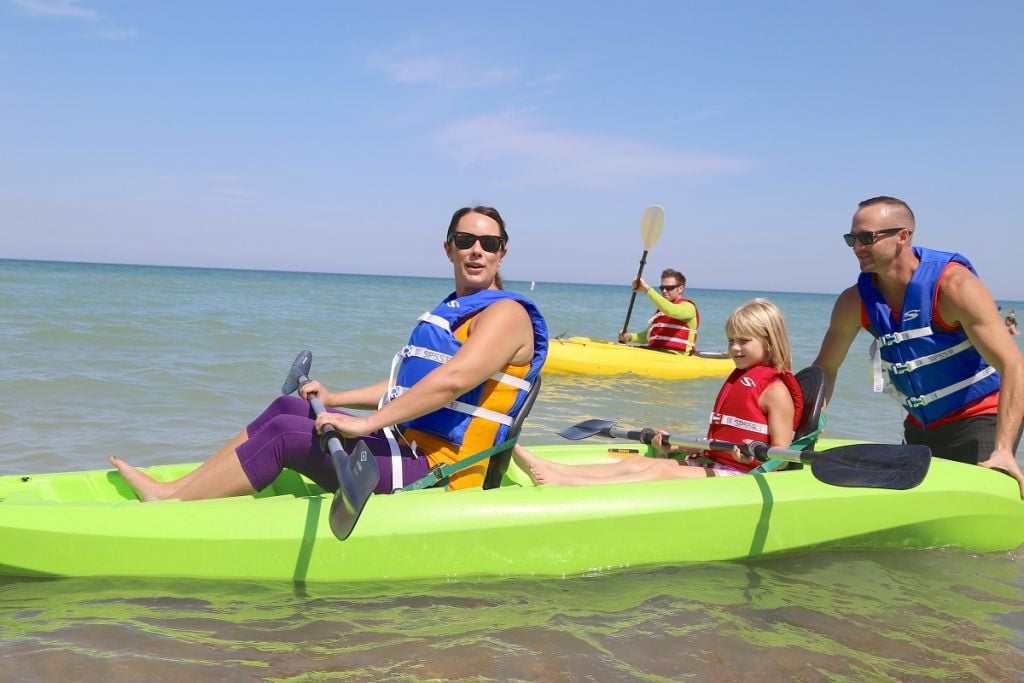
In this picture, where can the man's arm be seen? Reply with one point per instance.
(685, 311)
(963, 300)
(842, 330)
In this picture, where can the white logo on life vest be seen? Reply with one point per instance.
(747, 382)
(911, 314)
(454, 303)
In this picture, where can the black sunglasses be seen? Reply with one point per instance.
(489, 243)
(669, 288)
(869, 237)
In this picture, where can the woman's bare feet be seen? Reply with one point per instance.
(145, 487)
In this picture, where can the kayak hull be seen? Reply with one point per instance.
(87, 524)
(586, 356)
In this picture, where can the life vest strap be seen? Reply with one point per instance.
(925, 399)
(437, 320)
(677, 340)
(911, 365)
(897, 337)
(461, 407)
(732, 421)
(442, 358)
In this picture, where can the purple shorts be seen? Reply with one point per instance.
(284, 436)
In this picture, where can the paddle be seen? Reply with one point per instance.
(651, 224)
(880, 466)
(357, 471)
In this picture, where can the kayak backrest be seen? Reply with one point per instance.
(498, 463)
(812, 386)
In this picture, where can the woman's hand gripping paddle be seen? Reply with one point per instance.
(651, 225)
(879, 466)
(357, 471)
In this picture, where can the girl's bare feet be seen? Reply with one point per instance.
(541, 471)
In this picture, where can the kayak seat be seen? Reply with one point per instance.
(812, 385)
(498, 463)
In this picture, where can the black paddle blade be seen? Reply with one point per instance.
(297, 374)
(877, 466)
(587, 428)
(357, 477)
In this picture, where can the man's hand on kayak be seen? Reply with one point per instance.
(1004, 461)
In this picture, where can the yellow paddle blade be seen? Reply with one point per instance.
(651, 224)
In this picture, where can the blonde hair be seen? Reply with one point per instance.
(762, 320)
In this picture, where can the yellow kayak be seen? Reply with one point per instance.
(586, 356)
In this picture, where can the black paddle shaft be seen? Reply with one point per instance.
(887, 466)
(357, 471)
(632, 299)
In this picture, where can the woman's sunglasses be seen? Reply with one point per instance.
(489, 243)
(868, 237)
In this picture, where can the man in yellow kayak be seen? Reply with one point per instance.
(674, 325)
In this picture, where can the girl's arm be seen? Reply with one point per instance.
(777, 403)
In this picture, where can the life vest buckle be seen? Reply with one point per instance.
(899, 368)
(888, 339)
(917, 402)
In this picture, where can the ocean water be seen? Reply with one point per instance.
(164, 364)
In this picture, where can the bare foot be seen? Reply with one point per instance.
(541, 471)
(145, 487)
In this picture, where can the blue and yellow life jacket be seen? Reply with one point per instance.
(481, 417)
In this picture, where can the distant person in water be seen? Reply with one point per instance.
(457, 385)
(1011, 323)
(940, 341)
(674, 325)
(760, 401)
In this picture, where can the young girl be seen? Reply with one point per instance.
(760, 401)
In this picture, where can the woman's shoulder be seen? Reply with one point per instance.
(505, 309)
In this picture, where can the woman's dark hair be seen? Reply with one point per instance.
(488, 211)
(491, 213)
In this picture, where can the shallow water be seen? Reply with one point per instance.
(821, 616)
(163, 364)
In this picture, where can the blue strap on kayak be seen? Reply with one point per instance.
(439, 474)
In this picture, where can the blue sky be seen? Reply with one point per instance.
(340, 136)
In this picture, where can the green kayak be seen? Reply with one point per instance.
(89, 524)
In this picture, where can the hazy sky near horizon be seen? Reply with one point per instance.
(340, 136)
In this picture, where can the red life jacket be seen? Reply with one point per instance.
(736, 415)
(666, 332)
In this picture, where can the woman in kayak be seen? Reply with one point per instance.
(761, 400)
(454, 390)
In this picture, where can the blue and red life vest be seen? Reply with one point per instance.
(935, 370)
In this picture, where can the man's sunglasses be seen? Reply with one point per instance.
(489, 243)
(669, 288)
(869, 237)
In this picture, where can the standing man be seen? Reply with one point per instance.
(939, 336)
(674, 325)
